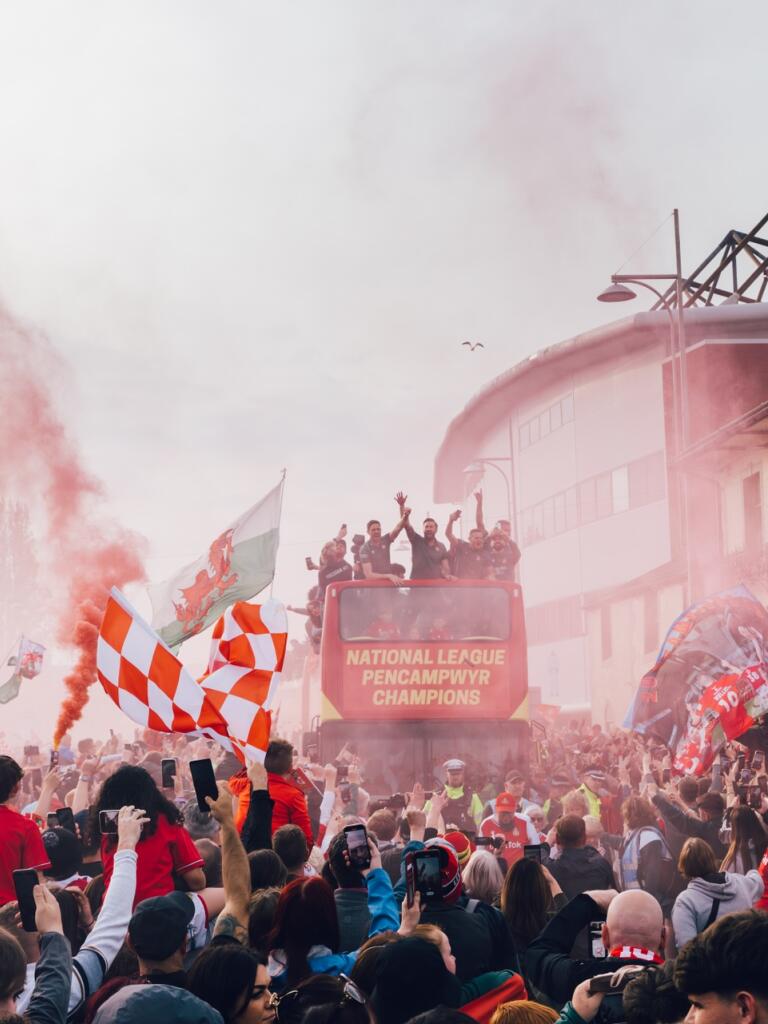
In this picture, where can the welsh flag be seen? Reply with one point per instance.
(239, 564)
(26, 664)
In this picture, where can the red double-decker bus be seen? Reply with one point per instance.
(417, 673)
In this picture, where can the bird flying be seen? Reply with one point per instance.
(472, 345)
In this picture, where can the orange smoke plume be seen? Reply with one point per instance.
(84, 554)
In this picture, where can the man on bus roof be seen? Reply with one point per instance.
(505, 554)
(429, 556)
(464, 809)
(470, 560)
(374, 554)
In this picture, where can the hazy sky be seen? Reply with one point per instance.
(258, 233)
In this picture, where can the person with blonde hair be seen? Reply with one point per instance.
(482, 877)
(523, 1011)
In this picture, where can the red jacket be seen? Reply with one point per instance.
(290, 806)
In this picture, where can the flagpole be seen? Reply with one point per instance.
(279, 524)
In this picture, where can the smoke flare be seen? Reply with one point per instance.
(84, 554)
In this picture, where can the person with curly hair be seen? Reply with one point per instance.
(165, 851)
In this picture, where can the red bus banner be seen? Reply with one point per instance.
(424, 650)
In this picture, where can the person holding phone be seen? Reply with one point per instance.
(165, 851)
(305, 937)
(515, 829)
(20, 843)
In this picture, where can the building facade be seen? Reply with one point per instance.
(579, 442)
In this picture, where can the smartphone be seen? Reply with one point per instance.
(758, 761)
(397, 802)
(754, 797)
(66, 819)
(108, 822)
(308, 561)
(428, 795)
(410, 880)
(54, 758)
(342, 773)
(426, 868)
(204, 781)
(533, 852)
(31, 751)
(596, 946)
(357, 845)
(24, 881)
(51, 821)
(745, 777)
(168, 772)
(666, 776)
(741, 760)
(345, 793)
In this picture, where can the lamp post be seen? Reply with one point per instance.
(477, 467)
(619, 291)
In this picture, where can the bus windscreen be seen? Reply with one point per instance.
(433, 614)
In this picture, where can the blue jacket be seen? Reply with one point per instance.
(384, 917)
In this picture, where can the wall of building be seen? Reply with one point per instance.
(623, 640)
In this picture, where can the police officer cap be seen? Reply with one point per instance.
(454, 764)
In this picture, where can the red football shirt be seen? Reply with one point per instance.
(169, 849)
(21, 846)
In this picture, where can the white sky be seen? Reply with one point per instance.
(258, 233)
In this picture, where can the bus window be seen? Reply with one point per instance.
(424, 614)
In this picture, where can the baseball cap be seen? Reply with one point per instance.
(596, 772)
(454, 764)
(138, 1004)
(514, 776)
(561, 779)
(63, 851)
(506, 802)
(159, 925)
(462, 844)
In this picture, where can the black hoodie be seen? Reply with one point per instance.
(581, 869)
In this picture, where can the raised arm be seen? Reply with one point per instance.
(235, 870)
(256, 833)
(452, 518)
(479, 523)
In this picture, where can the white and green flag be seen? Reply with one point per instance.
(239, 564)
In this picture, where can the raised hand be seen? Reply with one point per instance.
(401, 499)
(47, 912)
(221, 807)
(130, 821)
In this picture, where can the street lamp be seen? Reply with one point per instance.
(618, 291)
(477, 467)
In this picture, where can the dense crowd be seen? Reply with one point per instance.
(594, 884)
(486, 555)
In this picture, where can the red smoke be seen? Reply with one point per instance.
(84, 554)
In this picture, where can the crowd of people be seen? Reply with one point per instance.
(592, 884)
(485, 555)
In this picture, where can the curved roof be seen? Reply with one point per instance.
(545, 367)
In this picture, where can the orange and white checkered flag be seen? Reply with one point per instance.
(230, 704)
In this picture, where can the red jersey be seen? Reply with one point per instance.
(21, 846)
(167, 851)
(521, 834)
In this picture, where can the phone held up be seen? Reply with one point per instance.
(24, 882)
(596, 947)
(357, 846)
(168, 772)
(204, 781)
(108, 822)
(422, 875)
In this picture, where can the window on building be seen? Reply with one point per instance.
(525, 435)
(548, 517)
(538, 522)
(571, 508)
(556, 416)
(606, 640)
(534, 426)
(544, 423)
(567, 407)
(560, 523)
(587, 501)
(604, 495)
(753, 512)
(650, 620)
(647, 480)
(620, 489)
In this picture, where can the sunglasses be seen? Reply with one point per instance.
(287, 1008)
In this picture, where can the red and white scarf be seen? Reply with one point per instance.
(635, 953)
